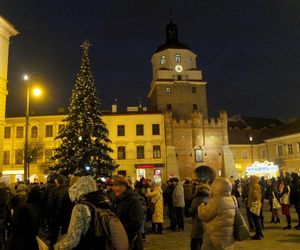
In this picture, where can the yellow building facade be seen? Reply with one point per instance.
(137, 140)
(7, 30)
(279, 145)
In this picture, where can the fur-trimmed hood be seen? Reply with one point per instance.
(221, 187)
(84, 185)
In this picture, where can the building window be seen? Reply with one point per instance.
(48, 155)
(34, 132)
(191, 61)
(19, 156)
(162, 60)
(290, 149)
(139, 129)
(156, 151)
(155, 129)
(168, 89)
(263, 153)
(194, 90)
(177, 58)
(61, 127)
(140, 152)
(49, 131)
(33, 156)
(121, 153)
(7, 132)
(122, 172)
(19, 132)
(121, 130)
(6, 157)
(244, 154)
(198, 155)
(169, 107)
(195, 107)
(279, 150)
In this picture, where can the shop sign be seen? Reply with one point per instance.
(262, 167)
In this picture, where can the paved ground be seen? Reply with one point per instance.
(275, 237)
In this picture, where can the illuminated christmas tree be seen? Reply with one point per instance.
(85, 144)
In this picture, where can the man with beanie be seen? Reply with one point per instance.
(129, 210)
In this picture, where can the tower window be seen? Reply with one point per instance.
(169, 107)
(191, 61)
(194, 90)
(177, 58)
(162, 60)
(168, 89)
(195, 107)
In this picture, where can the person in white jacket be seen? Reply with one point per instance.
(218, 216)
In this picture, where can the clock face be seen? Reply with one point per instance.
(178, 68)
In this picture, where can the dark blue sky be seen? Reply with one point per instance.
(249, 51)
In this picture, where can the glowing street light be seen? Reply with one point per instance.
(36, 92)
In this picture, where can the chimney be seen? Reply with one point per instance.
(114, 106)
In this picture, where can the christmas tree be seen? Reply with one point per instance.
(85, 144)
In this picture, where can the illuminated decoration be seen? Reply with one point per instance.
(262, 168)
(85, 146)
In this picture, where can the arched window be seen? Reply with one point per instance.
(177, 58)
(34, 132)
(162, 60)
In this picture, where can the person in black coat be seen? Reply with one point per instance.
(55, 209)
(129, 210)
(295, 195)
(26, 222)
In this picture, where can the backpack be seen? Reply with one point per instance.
(99, 232)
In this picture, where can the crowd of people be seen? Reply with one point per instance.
(63, 212)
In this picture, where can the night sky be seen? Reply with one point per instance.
(249, 51)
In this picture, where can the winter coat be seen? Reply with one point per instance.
(254, 191)
(55, 211)
(157, 200)
(130, 212)
(188, 191)
(178, 196)
(201, 196)
(26, 223)
(219, 217)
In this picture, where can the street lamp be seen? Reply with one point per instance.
(251, 145)
(36, 92)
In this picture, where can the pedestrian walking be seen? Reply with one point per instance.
(285, 203)
(178, 203)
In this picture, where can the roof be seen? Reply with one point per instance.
(238, 121)
(172, 41)
(242, 136)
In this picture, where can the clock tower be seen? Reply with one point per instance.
(193, 140)
(177, 85)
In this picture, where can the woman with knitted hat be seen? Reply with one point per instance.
(218, 215)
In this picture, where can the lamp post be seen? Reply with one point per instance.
(36, 92)
(251, 142)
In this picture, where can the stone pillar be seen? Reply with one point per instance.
(6, 31)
